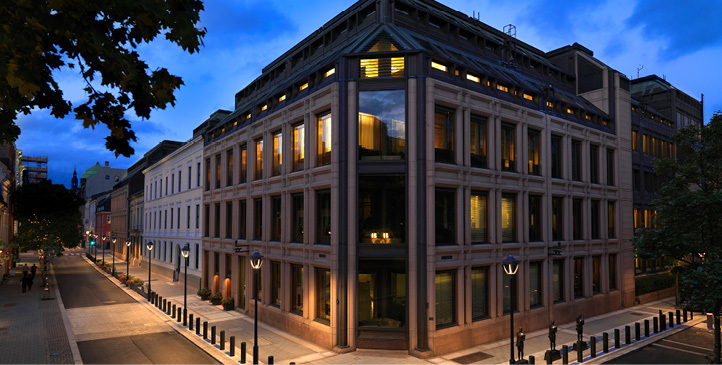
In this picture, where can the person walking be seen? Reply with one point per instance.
(24, 281)
(32, 270)
(30, 281)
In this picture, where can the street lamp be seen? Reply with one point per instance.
(91, 238)
(149, 246)
(256, 262)
(103, 237)
(185, 251)
(511, 266)
(113, 253)
(127, 259)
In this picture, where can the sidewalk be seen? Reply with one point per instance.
(32, 330)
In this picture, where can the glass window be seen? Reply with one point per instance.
(180, 178)
(276, 218)
(578, 277)
(535, 217)
(479, 217)
(535, 284)
(612, 272)
(323, 295)
(558, 281)
(508, 152)
(577, 219)
(381, 293)
(556, 147)
(635, 140)
(229, 219)
(594, 164)
(216, 221)
(479, 293)
(478, 141)
(172, 183)
(297, 289)
(508, 217)
(277, 161)
(382, 208)
(323, 216)
(198, 174)
(241, 281)
(610, 167)
(445, 200)
(275, 283)
(258, 219)
(595, 219)
(636, 180)
(218, 173)
(576, 160)
(534, 152)
(198, 218)
(299, 147)
(244, 161)
(242, 219)
(611, 228)
(323, 140)
(445, 298)
(297, 222)
(188, 217)
(382, 125)
(229, 167)
(382, 67)
(208, 174)
(596, 279)
(557, 218)
(444, 121)
(259, 159)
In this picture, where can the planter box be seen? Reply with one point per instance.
(205, 297)
(216, 301)
(228, 306)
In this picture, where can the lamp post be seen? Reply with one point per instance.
(103, 238)
(256, 262)
(510, 268)
(91, 238)
(87, 237)
(149, 246)
(185, 251)
(127, 259)
(113, 253)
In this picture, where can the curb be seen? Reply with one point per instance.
(77, 359)
(202, 344)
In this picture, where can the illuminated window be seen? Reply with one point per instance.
(550, 104)
(275, 283)
(479, 293)
(229, 167)
(303, 87)
(259, 159)
(277, 161)
(535, 284)
(472, 78)
(508, 217)
(637, 218)
(588, 117)
(479, 214)
(243, 158)
(502, 88)
(323, 295)
(444, 121)
(323, 139)
(282, 98)
(528, 97)
(382, 131)
(330, 72)
(570, 111)
(382, 67)
(611, 227)
(382, 208)
(534, 152)
(248, 116)
(635, 140)
(508, 150)
(299, 147)
(445, 298)
(218, 174)
(478, 141)
(438, 66)
(264, 107)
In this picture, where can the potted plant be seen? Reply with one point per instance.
(227, 304)
(204, 293)
(216, 298)
(136, 283)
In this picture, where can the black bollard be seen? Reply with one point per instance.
(223, 340)
(179, 315)
(532, 359)
(232, 346)
(185, 317)
(565, 354)
(646, 328)
(655, 324)
(243, 352)
(164, 304)
(580, 352)
(270, 360)
(190, 322)
(679, 316)
(213, 335)
(593, 346)
(671, 319)
(637, 330)
(205, 330)
(684, 315)
(198, 325)
(605, 338)
(691, 315)
(173, 312)
(616, 338)
(662, 322)
(627, 335)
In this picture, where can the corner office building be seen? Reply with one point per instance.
(386, 166)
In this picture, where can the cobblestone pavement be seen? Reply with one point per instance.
(31, 328)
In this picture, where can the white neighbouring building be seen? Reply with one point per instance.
(171, 211)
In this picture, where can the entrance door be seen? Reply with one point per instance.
(382, 304)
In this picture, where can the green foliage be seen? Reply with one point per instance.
(204, 292)
(650, 283)
(98, 39)
(216, 296)
(48, 217)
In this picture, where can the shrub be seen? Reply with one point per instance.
(227, 301)
(137, 282)
(204, 292)
(650, 283)
(216, 296)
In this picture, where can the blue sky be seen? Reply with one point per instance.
(681, 40)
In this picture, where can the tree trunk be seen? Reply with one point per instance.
(676, 288)
(717, 335)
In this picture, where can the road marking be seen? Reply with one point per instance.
(678, 349)
(686, 344)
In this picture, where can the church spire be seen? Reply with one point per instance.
(74, 180)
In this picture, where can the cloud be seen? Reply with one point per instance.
(686, 26)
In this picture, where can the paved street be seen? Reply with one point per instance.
(111, 327)
(686, 347)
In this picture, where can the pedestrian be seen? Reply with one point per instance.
(30, 281)
(32, 270)
(24, 281)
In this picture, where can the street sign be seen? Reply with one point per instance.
(241, 248)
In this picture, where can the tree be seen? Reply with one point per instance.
(98, 39)
(48, 217)
(688, 223)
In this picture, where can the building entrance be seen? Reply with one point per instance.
(382, 304)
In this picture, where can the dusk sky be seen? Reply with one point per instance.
(680, 40)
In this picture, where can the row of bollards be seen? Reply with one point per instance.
(659, 323)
